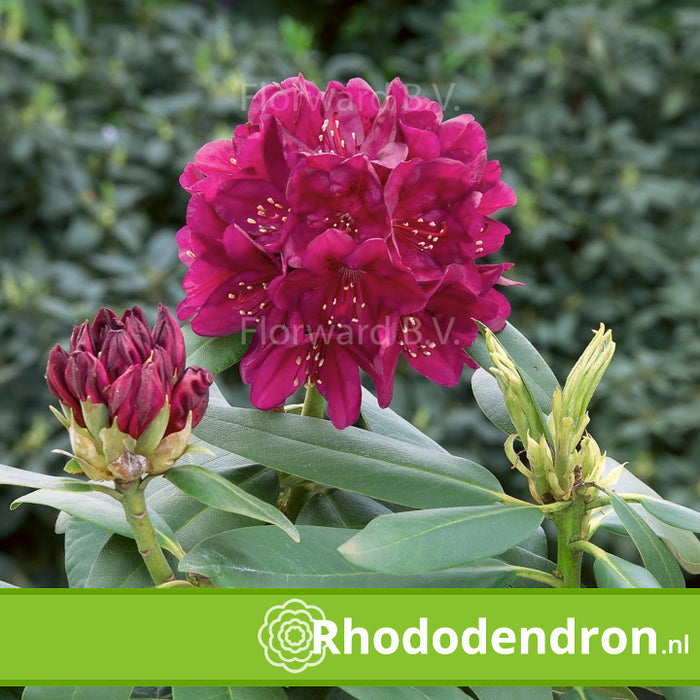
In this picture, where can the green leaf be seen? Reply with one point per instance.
(23, 477)
(683, 544)
(96, 558)
(426, 540)
(613, 572)
(655, 555)
(119, 565)
(227, 693)
(39, 692)
(489, 398)
(336, 508)
(191, 521)
(536, 543)
(405, 693)
(687, 693)
(521, 555)
(617, 693)
(513, 693)
(215, 354)
(582, 694)
(352, 459)
(672, 513)
(263, 557)
(536, 374)
(386, 422)
(9, 693)
(100, 510)
(216, 491)
(83, 541)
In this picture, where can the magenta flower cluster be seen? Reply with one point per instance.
(346, 232)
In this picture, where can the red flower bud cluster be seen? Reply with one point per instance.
(126, 394)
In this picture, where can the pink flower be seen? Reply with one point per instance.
(346, 231)
(124, 386)
(332, 192)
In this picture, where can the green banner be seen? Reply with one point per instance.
(375, 637)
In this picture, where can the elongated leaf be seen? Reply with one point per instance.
(336, 508)
(119, 565)
(520, 556)
(617, 693)
(22, 477)
(100, 510)
(489, 398)
(83, 542)
(683, 544)
(352, 459)
(263, 557)
(38, 692)
(405, 693)
(582, 694)
(191, 521)
(386, 422)
(536, 543)
(215, 354)
(536, 374)
(513, 693)
(687, 693)
(672, 513)
(613, 572)
(428, 540)
(228, 693)
(216, 491)
(655, 555)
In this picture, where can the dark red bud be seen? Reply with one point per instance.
(162, 363)
(135, 398)
(191, 393)
(168, 335)
(119, 352)
(136, 325)
(81, 339)
(86, 377)
(56, 379)
(104, 321)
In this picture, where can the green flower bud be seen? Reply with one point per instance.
(586, 375)
(521, 406)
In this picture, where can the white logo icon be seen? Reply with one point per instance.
(287, 635)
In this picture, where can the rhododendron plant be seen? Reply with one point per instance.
(334, 234)
(345, 232)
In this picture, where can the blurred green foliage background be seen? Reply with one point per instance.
(592, 108)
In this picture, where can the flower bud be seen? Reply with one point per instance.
(135, 398)
(190, 396)
(81, 339)
(167, 335)
(586, 375)
(136, 327)
(119, 352)
(521, 406)
(56, 379)
(559, 446)
(128, 402)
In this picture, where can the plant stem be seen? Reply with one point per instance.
(134, 503)
(313, 403)
(572, 526)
